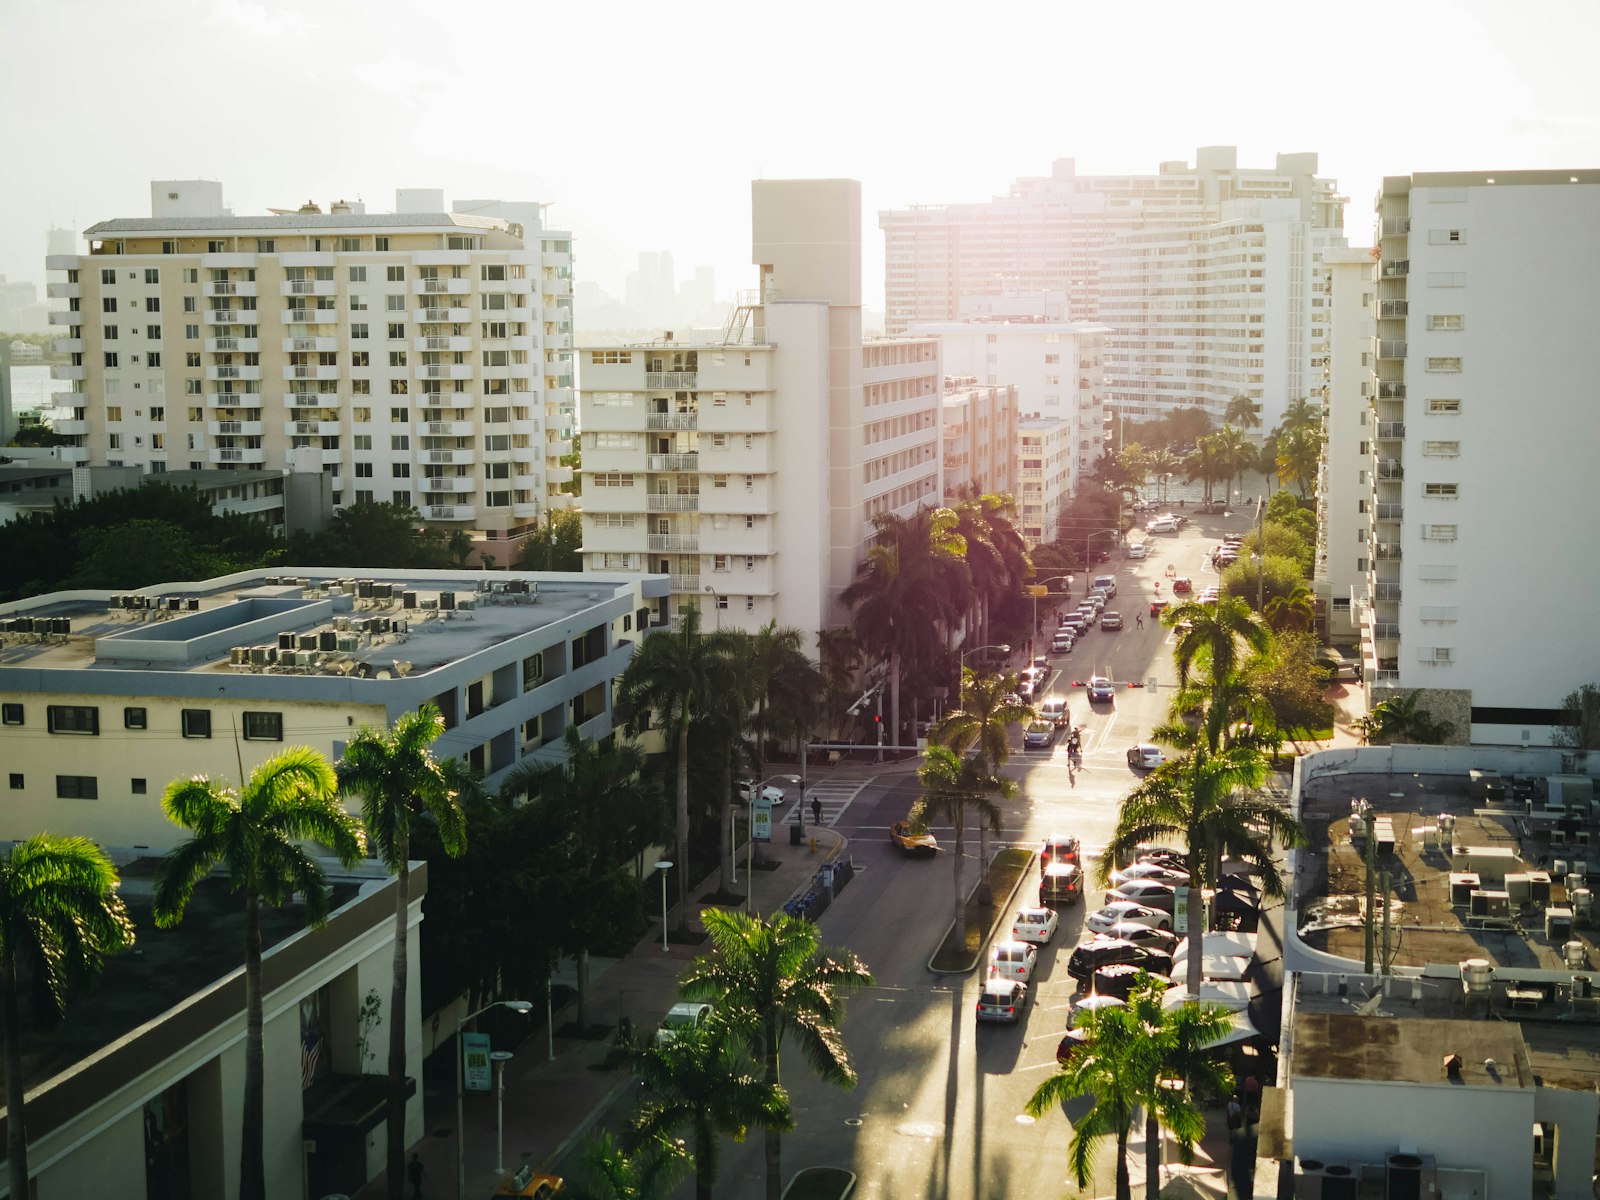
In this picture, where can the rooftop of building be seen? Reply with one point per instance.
(357, 624)
(389, 222)
(1424, 179)
(1341, 1044)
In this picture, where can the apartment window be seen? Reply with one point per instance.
(191, 332)
(719, 481)
(532, 672)
(153, 360)
(396, 303)
(402, 498)
(1444, 363)
(722, 602)
(397, 358)
(749, 604)
(399, 416)
(197, 722)
(358, 274)
(749, 562)
(1443, 279)
(364, 469)
(108, 304)
(134, 718)
(360, 358)
(111, 359)
(1445, 322)
(10, 714)
(396, 274)
(152, 333)
(749, 521)
(380, 243)
(719, 441)
(72, 718)
(1445, 491)
(363, 496)
(361, 416)
(191, 304)
(1439, 533)
(1050, 359)
(358, 331)
(197, 414)
(169, 247)
(349, 245)
(1446, 237)
(611, 479)
(494, 329)
(361, 441)
(107, 276)
(77, 787)
(109, 333)
(397, 331)
(719, 562)
(495, 301)
(400, 441)
(1441, 449)
(1444, 406)
(493, 272)
(262, 726)
(16, 781)
(358, 302)
(152, 304)
(400, 470)
(138, 786)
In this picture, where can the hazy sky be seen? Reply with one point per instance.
(643, 123)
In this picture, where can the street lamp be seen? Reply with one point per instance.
(750, 828)
(1045, 584)
(516, 1006)
(1088, 561)
(1003, 647)
(714, 604)
(664, 866)
(500, 1058)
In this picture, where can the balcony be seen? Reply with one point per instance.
(446, 429)
(1389, 349)
(1394, 308)
(450, 484)
(229, 287)
(70, 428)
(453, 343)
(229, 454)
(310, 316)
(311, 428)
(1391, 429)
(669, 542)
(556, 287)
(233, 428)
(63, 291)
(72, 454)
(1385, 631)
(232, 345)
(310, 345)
(441, 287)
(441, 316)
(232, 371)
(1390, 511)
(1397, 267)
(444, 371)
(310, 372)
(60, 371)
(685, 583)
(60, 262)
(1386, 591)
(1390, 469)
(557, 316)
(307, 287)
(672, 462)
(1396, 226)
(73, 317)
(525, 508)
(673, 502)
(664, 421)
(528, 428)
(67, 345)
(563, 341)
(672, 380)
(1389, 550)
(457, 458)
(230, 316)
(233, 399)
(450, 512)
(1388, 390)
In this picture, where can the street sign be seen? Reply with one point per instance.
(476, 1069)
(761, 820)
(1038, 589)
(1180, 908)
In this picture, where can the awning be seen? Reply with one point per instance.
(1233, 945)
(1229, 994)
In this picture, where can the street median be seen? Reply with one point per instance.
(957, 955)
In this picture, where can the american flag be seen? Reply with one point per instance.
(310, 1052)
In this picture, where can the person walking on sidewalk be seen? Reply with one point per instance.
(416, 1173)
(816, 811)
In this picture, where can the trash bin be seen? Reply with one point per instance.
(794, 834)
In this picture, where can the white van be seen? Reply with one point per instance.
(1105, 583)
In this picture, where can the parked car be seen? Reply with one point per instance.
(1002, 1000)
(1119, 980)
(1105, 583)
(1038, 735)
(1167, 856)
(1059, 847)
(1074, 623)
(1154, 872)
(1097, 952)
(1163, 940)
(1041, 664)
(1138, 550)
(1100, 556)
(1013, 960)
(1036, 925)
(1098, 599)
(1162, 525)
(1101, 690)
(1061, 885)
(1145, 757)
(1212, 506)
(1110, 619)
(912, 840)
(747, 790)
(686, 1014)
(1146, 892)
(1126, 911)
(1025, 689)
(1063, 641)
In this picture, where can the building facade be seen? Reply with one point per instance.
(1045, 459)
(980, 437)
(748, 468)
(1484, 439)
(420, 357)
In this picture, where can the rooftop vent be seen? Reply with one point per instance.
(310, 209)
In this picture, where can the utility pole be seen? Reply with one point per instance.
(1261, 552)
(1388, 953)
(1362, 809)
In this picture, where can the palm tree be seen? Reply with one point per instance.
(982, 724)
(1208, 798)
(1205, 463)
(914, 582)
(609, 1171)
(1299, 454)
(1401, 719)
(587, 794)
(1303, 413)
(60, 916)
(772, 980)
(953, 787)
(398, 780)
(669, 679)
(839, 658)
(1296, 611)
(255, 833)
(1235, 454)
(701, 1087)
(787, 684)
(996, 554)
(1161, 464)
(1243, 412)
(726, 720)
(1213, 636)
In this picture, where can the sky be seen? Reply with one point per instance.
(641, 125)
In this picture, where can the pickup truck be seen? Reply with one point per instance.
(911, 841)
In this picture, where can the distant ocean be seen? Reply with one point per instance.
(32, 388)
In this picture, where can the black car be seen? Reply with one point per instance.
(1099, 952)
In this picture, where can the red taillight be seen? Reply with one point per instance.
(1011, 1010)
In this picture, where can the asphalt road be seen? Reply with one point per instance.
(939, 1109)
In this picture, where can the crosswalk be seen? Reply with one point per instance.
(835, 795)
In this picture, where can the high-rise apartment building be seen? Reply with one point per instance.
(749, 466)
(1483, 448)
(421, 356)
(1208, 275)
(980, 438)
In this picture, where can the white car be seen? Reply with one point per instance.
(1013, 960)
(747, 789)
(1148, 892)
(685, 1015)
(1036, 925)
(1161, 525)
(1153, 872)
(1127, 911)
(1138, 550)
(1145, 757)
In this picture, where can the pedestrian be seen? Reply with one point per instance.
(1138, 619)
(816, 811)
(416, 1173)
(1235, 1118)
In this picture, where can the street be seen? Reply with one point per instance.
(939, 1108)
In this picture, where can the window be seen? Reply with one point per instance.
(107, 275)
(749, 521)
(196, 722)
(358, 274)
(111, 359)
(190, 304)
(400, 470)
(16, 781)
(719, 562)
(493, 271)
(1442, 449)
(1444, 406)
(1445, 322)
(349, 245)
(722, 602)
(153, 359)
(358, 302)
(1446, 237)
(10, 714)
(719, 481)
(749, 562)
(400, 441)
(380, 243)
(1447, 491)
(358, 331)
(114, 413)
(263, 727)
(399, 416)
(397, 332)
(109, 333)
(1439, 533)
(134, 718)
(138, 786)
(77, 787)
(1451, 363)
(749, 604)
(396, 274)
(108, 304)
(396, 303)
(1447, 279)
(72, 718)
(397, 358)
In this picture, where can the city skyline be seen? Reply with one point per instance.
(1502, 91)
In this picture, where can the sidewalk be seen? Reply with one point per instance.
(551, 1103)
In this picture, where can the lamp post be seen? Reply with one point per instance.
(1003, 647)
(1088, 560)
(500, 1058)
(714, 604)
(664, 866)
(1045, 583)
(516, 1006)
(750, 842)
(1261, 549)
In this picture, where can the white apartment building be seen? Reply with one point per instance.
(1044, 473)
(980, 438)
(421, 356)
(1344, 487)
(749, 467)
(1106, 242)
(1485, 445)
